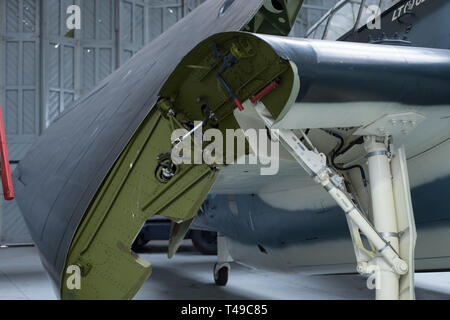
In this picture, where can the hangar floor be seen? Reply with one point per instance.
(189, 276)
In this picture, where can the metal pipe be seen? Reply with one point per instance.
(384, 215)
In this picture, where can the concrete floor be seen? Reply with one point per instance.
(189, 276)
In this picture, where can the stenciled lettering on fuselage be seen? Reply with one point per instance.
(407, 7)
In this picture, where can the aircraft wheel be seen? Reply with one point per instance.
(221, 275)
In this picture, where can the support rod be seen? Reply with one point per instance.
(384, 214)
(315, 164)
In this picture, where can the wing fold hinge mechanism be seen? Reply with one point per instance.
(393, 259)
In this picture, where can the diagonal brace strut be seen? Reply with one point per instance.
(315, 164)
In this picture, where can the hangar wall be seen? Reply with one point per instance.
(44, 69)
(19, 95)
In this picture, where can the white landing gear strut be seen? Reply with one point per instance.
(392, 216)
(222, 267)
(393, 276)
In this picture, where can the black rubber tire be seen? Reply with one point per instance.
(221, 278)
(204, 241)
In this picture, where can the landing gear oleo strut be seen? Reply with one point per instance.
(222, 267)
(384, 235)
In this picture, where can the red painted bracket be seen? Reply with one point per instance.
(8, 190)
(238, 104)
(264, 92)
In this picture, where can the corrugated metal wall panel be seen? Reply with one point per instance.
(142, 21)
(97, 43)
(19, 95)
(58, 58)
(112, 32)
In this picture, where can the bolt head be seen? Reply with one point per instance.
(402, 267)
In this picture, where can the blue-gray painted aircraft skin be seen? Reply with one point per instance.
(426, 24)
(258, 225)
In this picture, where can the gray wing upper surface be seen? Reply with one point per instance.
(61, 174)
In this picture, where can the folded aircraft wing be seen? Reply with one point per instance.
(80, 169)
